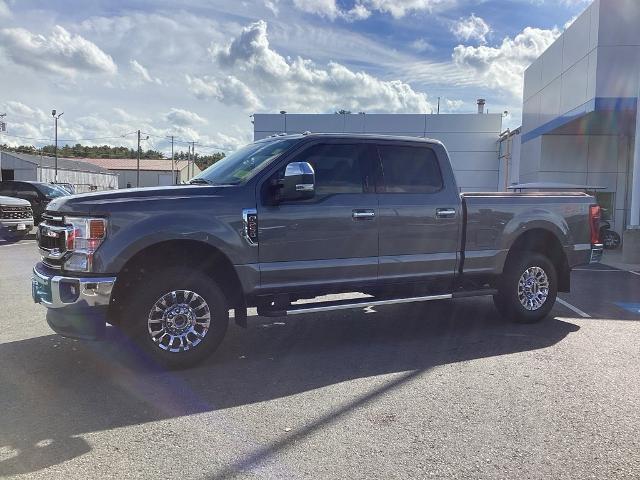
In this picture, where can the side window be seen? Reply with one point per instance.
(24, 190)
(408, 169)
(339, 168)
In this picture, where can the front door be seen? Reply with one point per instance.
(419, 218)
(332, 239)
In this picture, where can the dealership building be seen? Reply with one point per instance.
(472, 140)
(581, 108)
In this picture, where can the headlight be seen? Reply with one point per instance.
(86, 235)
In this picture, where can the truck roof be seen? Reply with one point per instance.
(367, 136)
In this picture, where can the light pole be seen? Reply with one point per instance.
(3, 128)
(138, 167)
(55, 148)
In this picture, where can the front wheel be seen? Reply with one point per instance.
(528, 288)
(178, 316)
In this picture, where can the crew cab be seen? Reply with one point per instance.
(298, 217)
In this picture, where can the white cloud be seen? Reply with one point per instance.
(143, 73)
(15, 109)
(272, 5)
(471, 28)
(324, 8)
(4, 10)
(228, 90)
(399, 8)
(502, 67)
(61, 52)
(421, 45)
(362, 9)
(181, 117)
(300, 85)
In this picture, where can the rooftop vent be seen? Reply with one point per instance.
(481, 103)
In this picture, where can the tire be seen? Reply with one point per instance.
(172, 329)
(611, 240)
(523, 294)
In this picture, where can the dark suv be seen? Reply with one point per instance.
(39, 194)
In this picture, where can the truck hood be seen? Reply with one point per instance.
(14, 202)
(106, 201)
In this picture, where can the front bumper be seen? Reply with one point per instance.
(13, 224)
(77, 307)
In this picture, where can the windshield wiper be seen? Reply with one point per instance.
(200, 181)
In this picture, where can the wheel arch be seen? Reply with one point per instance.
(189, 253)
(545, 242)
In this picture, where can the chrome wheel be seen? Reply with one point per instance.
(533, 288)
(179, 321)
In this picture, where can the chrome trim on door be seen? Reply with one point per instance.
(446, 213)
(363, 214)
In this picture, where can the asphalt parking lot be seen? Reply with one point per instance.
(441, 390)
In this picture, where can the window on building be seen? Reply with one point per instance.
(408, 169)
(7, 174)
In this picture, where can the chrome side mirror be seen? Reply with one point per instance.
(299, 182)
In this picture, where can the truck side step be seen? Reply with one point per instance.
(347, 305)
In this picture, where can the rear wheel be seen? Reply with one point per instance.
(178, 316)
(528, 288)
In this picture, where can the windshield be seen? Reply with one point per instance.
(243, 164)
(51, 191)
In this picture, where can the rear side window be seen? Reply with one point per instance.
(409, 169)
(339, 168)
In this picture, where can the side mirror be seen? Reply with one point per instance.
(299, 182)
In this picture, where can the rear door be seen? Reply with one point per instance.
(419, 217)
(331, 239)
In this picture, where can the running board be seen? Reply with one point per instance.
(348, 304)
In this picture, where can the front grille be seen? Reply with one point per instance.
(53, 219)
(15, 213)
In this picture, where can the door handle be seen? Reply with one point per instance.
(445, 213)
(363, 214)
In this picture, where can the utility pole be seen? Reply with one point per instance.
(438, 105)
(55, 148)
(3, 128)
(138, 167)
(193, 160)
(173, 164)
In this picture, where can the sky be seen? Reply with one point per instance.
(198, 69)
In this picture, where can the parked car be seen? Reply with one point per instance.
(297, 217)
(16, 218)
(67, 187)
(38, 194)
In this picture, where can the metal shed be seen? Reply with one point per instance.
(85, 177)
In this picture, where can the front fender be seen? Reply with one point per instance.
(128, 236)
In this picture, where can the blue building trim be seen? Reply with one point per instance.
(598, 104)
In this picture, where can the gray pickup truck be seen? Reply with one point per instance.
(16, 218)
(293, 218)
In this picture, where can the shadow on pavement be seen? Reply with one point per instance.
(55, 389)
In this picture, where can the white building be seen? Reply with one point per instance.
(472, 140)
(580, 108)
(85, 177)
(153, 172)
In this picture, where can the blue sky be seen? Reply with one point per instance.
(197, 69)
